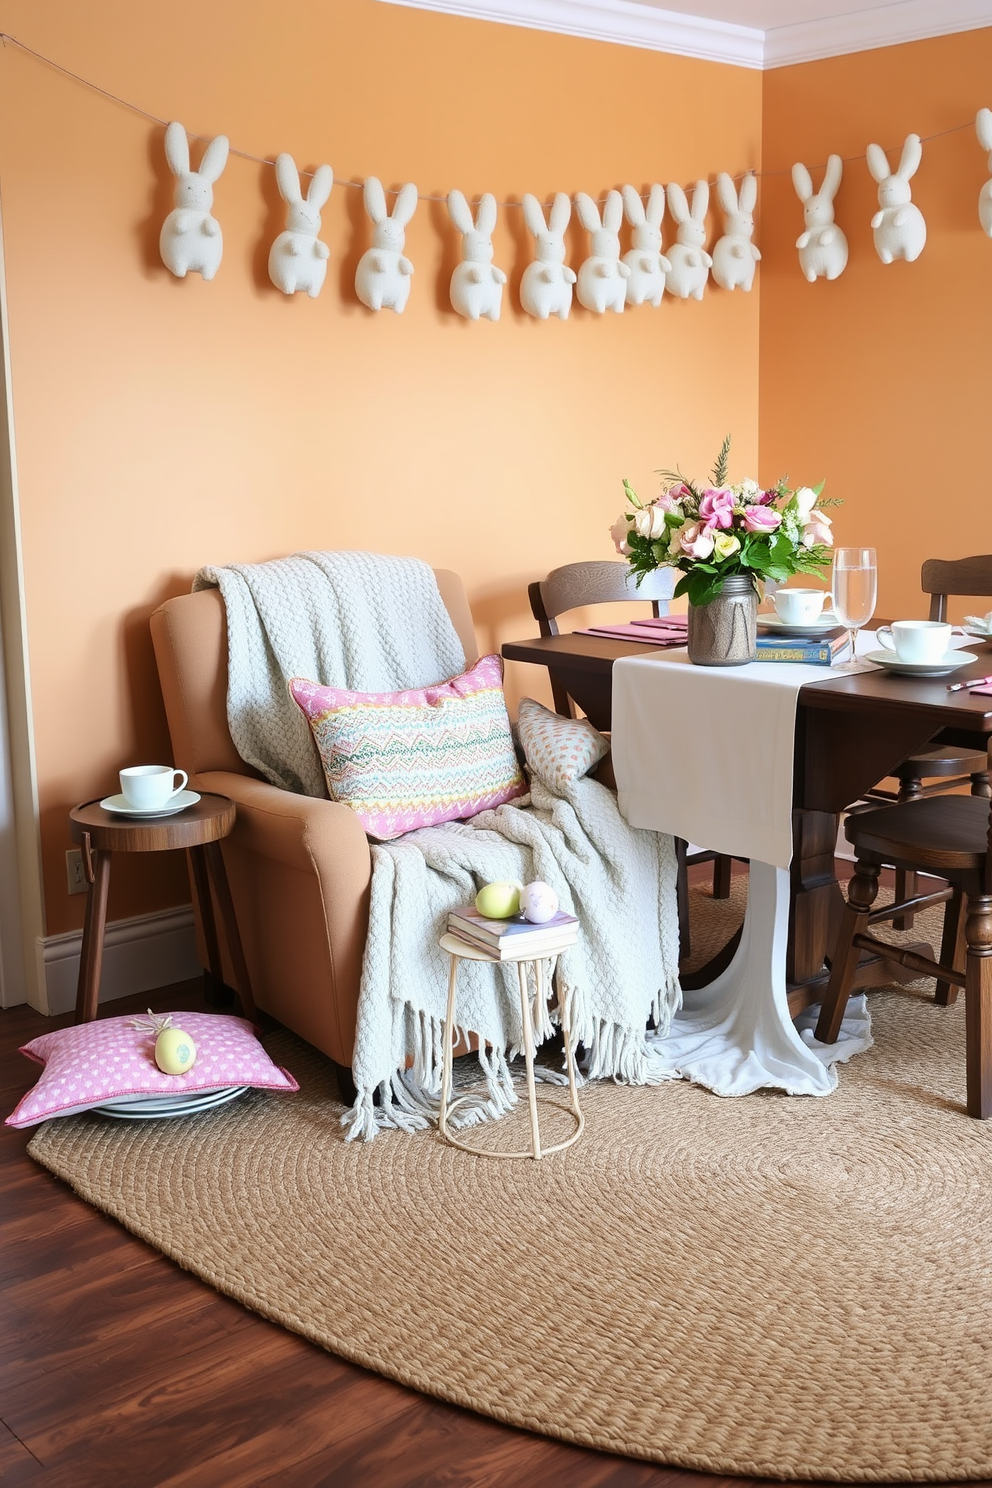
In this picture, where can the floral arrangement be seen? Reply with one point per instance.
(713, 532)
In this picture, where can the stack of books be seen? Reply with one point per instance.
(513, 938)
(663, 630)
(827, 649)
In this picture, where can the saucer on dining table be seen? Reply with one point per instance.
(949, 662)
(826, 620)
(119, 806)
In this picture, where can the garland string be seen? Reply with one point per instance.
(6, 39)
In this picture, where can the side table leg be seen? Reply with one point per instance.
(450, 1039)
(528, 1028)
(91, 957)
(218, 877)
(217, 992)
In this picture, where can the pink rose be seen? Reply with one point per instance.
(716, 508)
(696, 540)
(676, 493)
(761, 519)
(668, 500)
(817, 530)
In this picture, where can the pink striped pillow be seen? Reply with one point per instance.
(411, 759)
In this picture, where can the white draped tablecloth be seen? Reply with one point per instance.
(706, 753)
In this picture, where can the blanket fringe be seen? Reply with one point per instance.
(411, 1099)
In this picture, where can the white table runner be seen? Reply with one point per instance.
(706, 753)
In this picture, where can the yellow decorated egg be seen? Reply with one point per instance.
(175, 1051)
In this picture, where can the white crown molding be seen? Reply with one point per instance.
(629, 23)
(152, 950)
(621, 21)
(866, 30)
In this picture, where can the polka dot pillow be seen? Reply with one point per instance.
(558, 750)
(91, 1063)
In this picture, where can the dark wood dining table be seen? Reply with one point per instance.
(851, 731)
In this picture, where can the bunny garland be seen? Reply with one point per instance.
(690, 263)
(645, 260)
(382, 279)
(602, 282)
(822, 247)
(297, 258)
(899, 228)
(546, 287)
(735, 256)
(476, 284)
(191, 240)
(983, 128)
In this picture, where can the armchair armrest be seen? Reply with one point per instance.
(302, 832)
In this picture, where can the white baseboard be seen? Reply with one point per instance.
(148, 951)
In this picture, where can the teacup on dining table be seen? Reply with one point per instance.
(920, 641)
(800, 606)
(150, 787)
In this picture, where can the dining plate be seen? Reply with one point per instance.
(118, 805)
(151, 1108)
(949, 662)
(827, 620)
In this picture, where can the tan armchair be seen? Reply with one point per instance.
(299, 868)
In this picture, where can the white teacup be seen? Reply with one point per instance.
(800, 606)
(921, 641)
(150, 787)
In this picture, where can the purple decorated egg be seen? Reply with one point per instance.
(538, 902)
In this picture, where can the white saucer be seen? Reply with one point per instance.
(118, 805)
(978, 635)
(949, 662)
(826, 620)
(131, 1110)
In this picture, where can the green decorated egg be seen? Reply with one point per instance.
(498, 901)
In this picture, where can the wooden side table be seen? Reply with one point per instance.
(198, 828)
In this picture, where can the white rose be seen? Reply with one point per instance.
(805, 501)
(649, 522)
(618, 532)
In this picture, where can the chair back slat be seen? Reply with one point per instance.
(943, 577)
(575, 585)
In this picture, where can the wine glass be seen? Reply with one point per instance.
(854, 584)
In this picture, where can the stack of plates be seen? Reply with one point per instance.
(141, 1107)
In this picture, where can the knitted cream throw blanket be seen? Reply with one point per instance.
(374, 623)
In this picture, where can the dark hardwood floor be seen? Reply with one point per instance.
(120, 1370)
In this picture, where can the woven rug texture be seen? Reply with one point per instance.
(768, 1286)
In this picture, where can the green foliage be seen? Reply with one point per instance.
(720, 468)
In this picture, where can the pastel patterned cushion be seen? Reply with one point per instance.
(558, 750)
(402, 760)
(91, 1063)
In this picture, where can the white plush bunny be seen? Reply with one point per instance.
(382, 279)
(690, 263)
(735, 256)
(900, 231)
(476, 284)
(823, 246)
(603, 278)
(297, 258)
(191, 239)
(645, 260)
(983, 127)
(546, 287)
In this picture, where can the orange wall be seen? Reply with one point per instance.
(882, 380)
(164, 424)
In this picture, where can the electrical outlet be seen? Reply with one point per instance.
(74, 871)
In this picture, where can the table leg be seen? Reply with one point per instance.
(816, 896)
(217, 992)
(528, 1031)
(217, 875)
(97, 866)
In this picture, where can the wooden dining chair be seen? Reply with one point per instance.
(951, 763)
(951, 838)
(576, 586)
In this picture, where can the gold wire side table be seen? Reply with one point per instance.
(529, 968)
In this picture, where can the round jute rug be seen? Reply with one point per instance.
(791, 1288)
